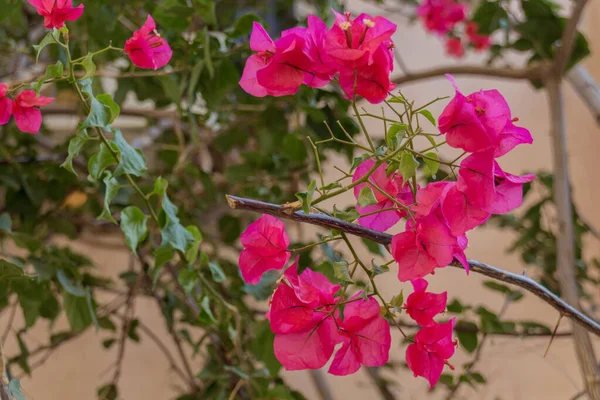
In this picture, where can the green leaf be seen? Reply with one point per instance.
(379, 269)
(107, 324)
(264, 288)
(243, 25)
(341, 271)
(77, 311)
(163, 255)
(522, 44)
(69, 285)
(113, 108)
(101, 160)
(514, 295)
(14, 388)
(427, 114)
(51, 37)
(374, 247)
(490, 16)
(395, 134)
(108, 343)
(191, 253)
(207, 56)
(173, 233)
(230, 228)
(131, 161)
(294, 148)
(408, 165)
(456, 307)
(262, 347)
(398, 300)
(431, 166)
(31, 297)
(88, 64)
(467, 339)
(112, 188)
(160, 186)
(134, 224)
(10, 271)
(477, 377)
(348, 215)
(366, 197)
(108, 392)
(52, 71)
(188, 279)
(217, 272)
(75, 145)
(205, 304)
(306, 197)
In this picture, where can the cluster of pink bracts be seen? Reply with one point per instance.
(442, 17)
(305, 308)
(146, 49)
(358, 51)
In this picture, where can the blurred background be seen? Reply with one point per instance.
(514, 367)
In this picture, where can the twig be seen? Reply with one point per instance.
(553, 335)
(385, 239)
(587, 88)
(474, 329)
(567, 41)
(566, 237)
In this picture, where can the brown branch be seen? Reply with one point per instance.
(567, 41)
(325, 221)
(565, 259)
(529, 73)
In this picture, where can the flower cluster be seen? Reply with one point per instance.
(146, 49)
(25, 108)
(443, 17)
(357, 49)
(433, 344)
(306, 319)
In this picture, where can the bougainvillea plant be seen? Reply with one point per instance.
(238, 108)
(310, 315)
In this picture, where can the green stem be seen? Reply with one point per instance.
(310, 246)
(362, 125)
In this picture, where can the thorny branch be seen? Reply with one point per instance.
(385, 239)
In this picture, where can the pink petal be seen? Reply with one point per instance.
(312, 288)
(413, 261)
(459, 214)
(280, 79)
(248, 81)
(495, 110)
(476, 178)
(429, 197)
(511, 137)
(381, 221)
(253, 265)
(435, 237)
(423, 306)
(139, 52)
(260, 39)
(6, 106)
(288, 314)
(425, 364)
(266, 236)
(27, 119)
(345, 361)
(438, 338)
(307, 350)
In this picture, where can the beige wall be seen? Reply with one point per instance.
(515, 368)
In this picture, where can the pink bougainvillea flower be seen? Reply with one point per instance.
(56, 12)
(508, 193)
(6, 105)
(265, 248)
(510, 137)
(432, 348)
(393, 186)
(429, 197)
(413, 260)
(422, 306)
(147, 49)
(371, 81)
(455, 47)
(278, 68)
(476, 178)
(300, 316)
(473, 122)
(352, 43)
(459, 214)
(434, 235)
(487, 186)
(26, 110)
(479, 42)
(440, 16)
(365, 337)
